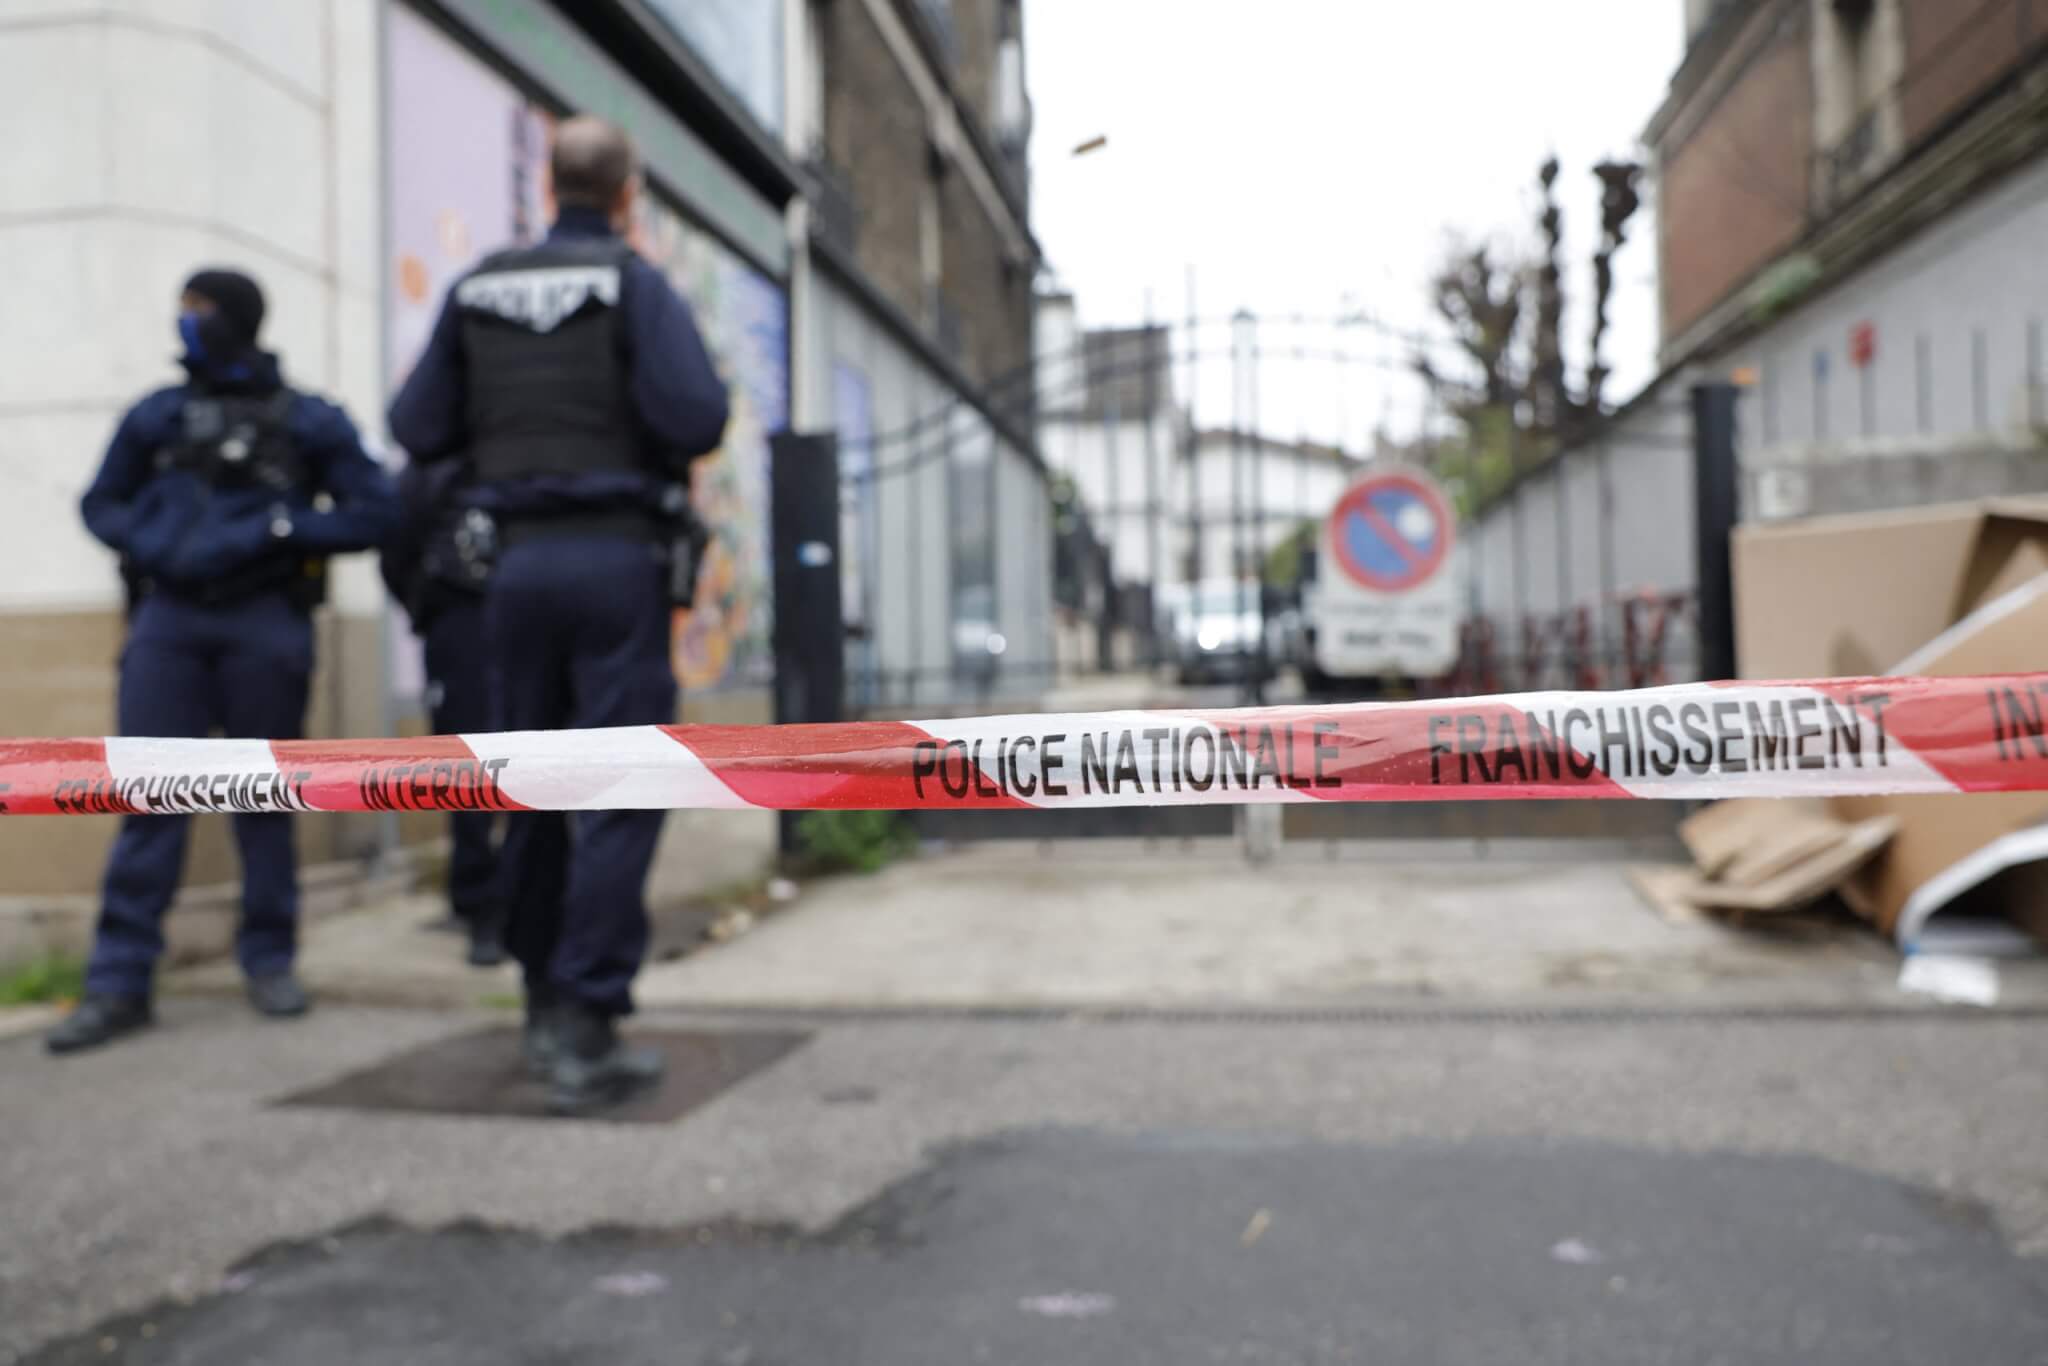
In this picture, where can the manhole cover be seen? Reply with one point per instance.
(482, 1074)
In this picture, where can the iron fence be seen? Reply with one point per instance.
(1174, 453)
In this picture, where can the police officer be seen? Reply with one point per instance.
(436, 568)
(574, 378)
(224, 496)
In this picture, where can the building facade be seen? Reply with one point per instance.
(358, 155)
(1852, 197)
(1245, 494)
(1171, 505)
(1109, 423)
(910, 121)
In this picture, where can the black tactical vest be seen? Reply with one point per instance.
(238, 441)
(543, 333)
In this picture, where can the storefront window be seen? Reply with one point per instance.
(741, 41)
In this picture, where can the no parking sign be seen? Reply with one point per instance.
(1388, 601)
(1391, 531)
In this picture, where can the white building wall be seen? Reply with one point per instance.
(1538, 570)
(1125, 467)
(1608, 519)
(1588, 544)
(1120, 479)
(1492, 559)
(1651, 495)
(1275, 486)
(153, 137)
(1956, 314)
(1062, 372)
(146, 139)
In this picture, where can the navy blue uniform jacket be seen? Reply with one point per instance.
(172, 526)
(679, 403)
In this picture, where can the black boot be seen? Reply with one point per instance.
(278, 995)
(486, 940)
(98, 1020)
(593, 1067)
(540, 1042)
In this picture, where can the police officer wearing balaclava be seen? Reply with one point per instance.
(573, 378)
(224, 497)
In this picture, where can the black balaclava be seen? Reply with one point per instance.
(223, 340)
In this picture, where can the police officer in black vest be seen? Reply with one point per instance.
(437, 568)
(574, 379)
(224, 496)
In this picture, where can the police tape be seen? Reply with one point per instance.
(1833, 737)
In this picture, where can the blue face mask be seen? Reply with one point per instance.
(211, 346)
(190, 331)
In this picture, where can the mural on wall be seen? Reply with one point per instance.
(468, 172)
(744, 317)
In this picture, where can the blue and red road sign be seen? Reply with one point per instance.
(1391, 531)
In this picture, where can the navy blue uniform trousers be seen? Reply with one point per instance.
(459, 677)
(186, 671)
(579, 629)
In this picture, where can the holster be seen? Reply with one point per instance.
(688, 538)
(307, 589)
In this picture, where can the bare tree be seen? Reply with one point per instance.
(1514, 398)
(1482, 301)
(1618, 203)
(1550, 403)
(1480, 298)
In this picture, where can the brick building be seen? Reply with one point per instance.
(1852, 197)
(1852, 194)
(914, 302)
(922, 137)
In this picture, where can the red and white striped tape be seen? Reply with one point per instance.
(1834, 737)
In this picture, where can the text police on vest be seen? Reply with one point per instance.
(540, 299)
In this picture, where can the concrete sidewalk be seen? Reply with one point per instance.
(1027, 926)
(386, 954)
(382, 952)
(1115, 925)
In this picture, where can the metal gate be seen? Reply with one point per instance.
(1033, 548)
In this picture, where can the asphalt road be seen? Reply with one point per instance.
(1188, 1247)
(1513, 1189)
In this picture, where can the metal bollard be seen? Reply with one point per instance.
(1259, 826)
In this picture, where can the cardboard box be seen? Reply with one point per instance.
(1947, 845)
(1745, 843)
(1804, 882)
(1833, 597)
(1940, 592)
(1764, 856)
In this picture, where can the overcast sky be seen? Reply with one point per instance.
(1313, 155)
